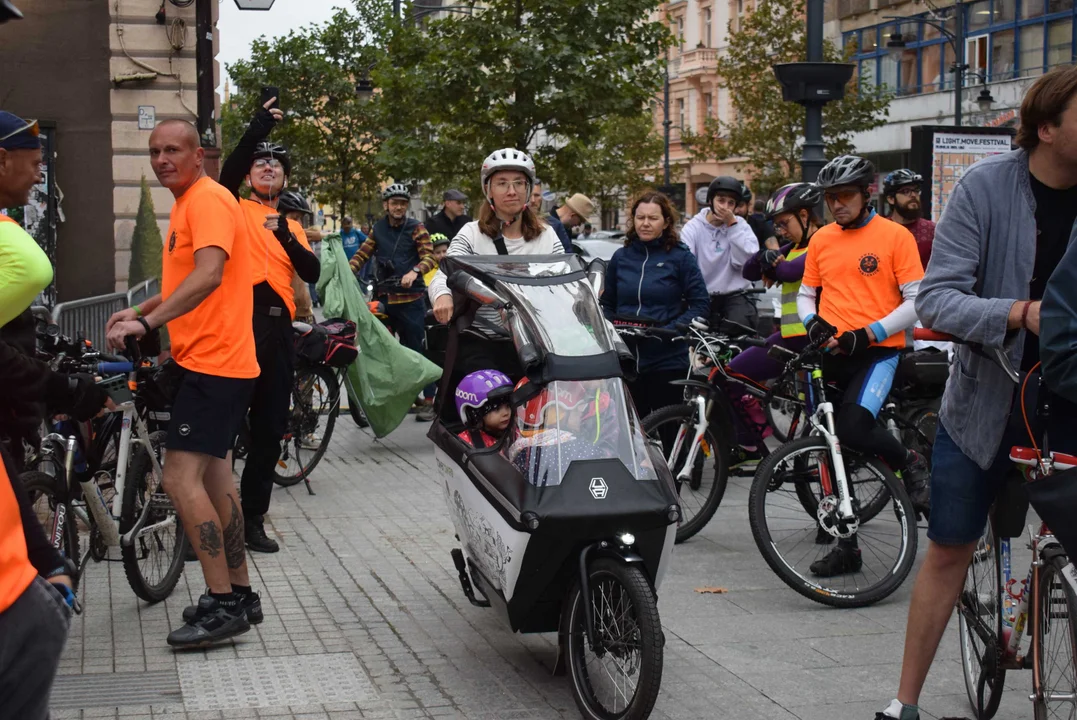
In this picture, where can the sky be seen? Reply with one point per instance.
(239, 28)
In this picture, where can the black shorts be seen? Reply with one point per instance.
(207, 412)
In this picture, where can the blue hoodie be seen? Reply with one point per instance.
(646, 281)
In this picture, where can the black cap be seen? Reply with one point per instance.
(454, 195)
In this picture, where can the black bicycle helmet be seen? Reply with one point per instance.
(724, 184)
(793, 197)
(273, 150)
(745, 193)
(899, 179)
(396, 190)
(9, 12)
(291, 201)
(846, 170)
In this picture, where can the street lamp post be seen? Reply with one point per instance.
(665, 127)
(956, 39)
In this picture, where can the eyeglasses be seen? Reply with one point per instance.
(266, 162)
(909, 192)
(31, 128)
(782, 224)
(517, 185)
(843, 196)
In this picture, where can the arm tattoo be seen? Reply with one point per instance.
(209, 538)
(233, 537)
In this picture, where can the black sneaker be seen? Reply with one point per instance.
(257, 540)
(426, 413)
(742, 460)
(842, 560)
(212, 624)
(917, 477)
(250, 604)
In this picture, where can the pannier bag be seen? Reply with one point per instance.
(331, 343)
(925, 371)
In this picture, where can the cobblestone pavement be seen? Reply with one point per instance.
(365, 619)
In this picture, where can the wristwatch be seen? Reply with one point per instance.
(145, 325)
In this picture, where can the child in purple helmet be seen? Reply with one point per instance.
(483, 401)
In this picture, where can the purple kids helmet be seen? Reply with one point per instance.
(473, 393)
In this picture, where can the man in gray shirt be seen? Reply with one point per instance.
(1004, 229)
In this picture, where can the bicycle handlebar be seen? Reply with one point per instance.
(995, 354)
(115, 368)
(932, 335)
(645, 331)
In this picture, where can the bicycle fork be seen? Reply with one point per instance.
(825, 426)
(698, 432)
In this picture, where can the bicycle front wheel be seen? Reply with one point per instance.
(1055, 649)
(879, 550)
(979, 620)
(49, 503)
(153, 562)
(313, 413)
(701, 493)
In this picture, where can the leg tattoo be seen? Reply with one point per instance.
(233, 537)
(209, 538)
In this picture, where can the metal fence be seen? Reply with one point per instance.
(89, 315)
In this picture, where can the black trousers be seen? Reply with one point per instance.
(651, 390)
(738, 308)
(268, 415)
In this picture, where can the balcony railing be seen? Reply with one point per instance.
(701, 61)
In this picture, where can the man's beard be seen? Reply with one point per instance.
(911, 210)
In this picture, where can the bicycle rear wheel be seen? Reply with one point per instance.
(786, 417)
(48, 499)
(153, 562)
(979, 621)
(313, 413)
(702, 493)
(789, 538)
(1055, 638)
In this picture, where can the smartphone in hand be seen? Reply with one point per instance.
(268, 93)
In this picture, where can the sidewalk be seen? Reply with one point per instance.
(365, 619)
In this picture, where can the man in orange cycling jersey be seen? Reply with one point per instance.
(279, 250)
(206, 301)
(861, 278)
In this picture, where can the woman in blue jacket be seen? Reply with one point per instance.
(655, 279)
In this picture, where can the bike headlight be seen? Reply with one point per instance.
(627, 539)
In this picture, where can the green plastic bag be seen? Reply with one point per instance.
(387, 375)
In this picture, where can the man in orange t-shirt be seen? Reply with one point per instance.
(206, 301)
(860, 281)
(279, 252)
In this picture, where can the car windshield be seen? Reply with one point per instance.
(577, 420)
(566, 317)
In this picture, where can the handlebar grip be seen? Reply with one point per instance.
(932, 335)
(115, 368)
(753, 341)
(109, 357)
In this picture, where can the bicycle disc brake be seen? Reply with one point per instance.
(831, 521)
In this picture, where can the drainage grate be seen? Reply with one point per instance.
(269, 682)
(95, 690)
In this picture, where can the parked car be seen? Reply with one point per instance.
(597, 248)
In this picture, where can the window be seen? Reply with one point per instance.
(908, 77)
(934, 67)
(1002, 65)
(976, 53)
(868, 77)
(708, 103)
(680, 30)
(888, 71)
(978, 15)
(1031, 9)
(1004, 11)
(1032, 49)
(1059, 42)
(707, 27)
(1056, 6)
(680, 113)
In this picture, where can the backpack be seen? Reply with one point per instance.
(330, 343)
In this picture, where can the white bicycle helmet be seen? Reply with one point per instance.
(396, 190)
(508, 159)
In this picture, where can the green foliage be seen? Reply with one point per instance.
(328, 130)
(765, 130)
(567, 78)
(145, 242)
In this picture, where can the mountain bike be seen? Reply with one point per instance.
(811, 491)
(139, 519)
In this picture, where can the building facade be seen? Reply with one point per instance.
(99, 76)
(1007, 45)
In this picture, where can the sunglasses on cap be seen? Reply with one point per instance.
(31, 128)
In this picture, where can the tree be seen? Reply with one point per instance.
(145, 241)
(544, 75)
(327, 127)
(612, 167)
(765, 130)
